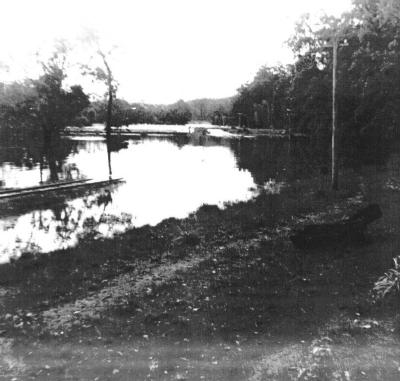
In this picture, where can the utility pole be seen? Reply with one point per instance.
(336, 31)
(335, 174)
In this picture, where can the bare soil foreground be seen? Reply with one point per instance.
(220, 295)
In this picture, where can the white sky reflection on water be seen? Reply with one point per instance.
(162, 181)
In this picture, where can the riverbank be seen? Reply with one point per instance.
(220, 295)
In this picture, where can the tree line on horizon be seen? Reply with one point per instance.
(296, 96)
(20, 106)
(178, 113)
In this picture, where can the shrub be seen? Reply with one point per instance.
(389, 283)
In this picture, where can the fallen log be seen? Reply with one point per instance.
(349, 230)
(55, 188)
(42, 186)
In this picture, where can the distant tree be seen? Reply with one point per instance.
(263, 101)
(205, 108)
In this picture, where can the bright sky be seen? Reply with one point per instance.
(167, 49)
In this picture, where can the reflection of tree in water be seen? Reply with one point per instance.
(28, 247)
(207, 141)
(54, 155)
(72, 221)
(265, 158)
(268, 158)
(117, 143)
(30, 149)
(184, 140)
(178, 139)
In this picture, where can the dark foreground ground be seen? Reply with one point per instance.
(221, 295)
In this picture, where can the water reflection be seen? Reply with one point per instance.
(277, 159)
(164, 178)
(31, 161)
(60, 226)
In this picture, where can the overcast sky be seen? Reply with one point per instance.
(167, 49)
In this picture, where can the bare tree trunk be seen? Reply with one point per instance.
(108, 129)
(108, 142)
(109, 111)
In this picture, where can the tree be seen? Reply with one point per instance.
(263, 101)
(44, 103)
(366, 108)
(34, 111)
(103, 73)
(331, 33)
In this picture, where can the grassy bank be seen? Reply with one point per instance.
(220, 295)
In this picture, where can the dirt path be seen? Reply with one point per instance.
(240, 304)
(63, 318)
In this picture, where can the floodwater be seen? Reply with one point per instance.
(163, 177)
